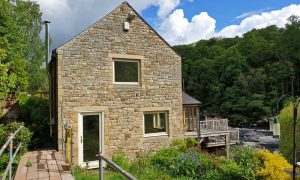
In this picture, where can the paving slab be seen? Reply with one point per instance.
(43, 164)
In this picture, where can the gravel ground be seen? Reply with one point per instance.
(261, 138)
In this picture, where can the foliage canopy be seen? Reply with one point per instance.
(241, 78)
(21, 49)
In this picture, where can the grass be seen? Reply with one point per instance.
(83, 174)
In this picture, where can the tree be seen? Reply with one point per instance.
(242, 78)
(21, 49)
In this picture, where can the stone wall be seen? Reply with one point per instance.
(85, 83)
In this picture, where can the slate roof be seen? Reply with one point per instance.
(189, 100)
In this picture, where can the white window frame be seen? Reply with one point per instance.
(159, 133)
(127, 60)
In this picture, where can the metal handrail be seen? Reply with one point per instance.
(12, 155)
(114, 166)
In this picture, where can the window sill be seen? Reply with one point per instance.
(126, 85)
(191, 133)
(155, 135)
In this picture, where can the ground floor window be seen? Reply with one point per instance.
(155, 123)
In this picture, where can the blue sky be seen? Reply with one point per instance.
(177, 21)
(225, 12)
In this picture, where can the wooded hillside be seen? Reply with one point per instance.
(241, 78)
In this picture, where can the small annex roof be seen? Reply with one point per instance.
(189, 100)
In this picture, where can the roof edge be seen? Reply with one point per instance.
(125, 2)
(152, 29)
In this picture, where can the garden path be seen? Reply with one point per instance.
(43, 164)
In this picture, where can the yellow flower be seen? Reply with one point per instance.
(273, 165)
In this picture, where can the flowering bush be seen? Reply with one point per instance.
(187, 164)
(163, 158)
(182, 162)
(273, 165)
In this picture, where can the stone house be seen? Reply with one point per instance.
(118, 85)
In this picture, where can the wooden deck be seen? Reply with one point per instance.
(215, 131)
(44, 164)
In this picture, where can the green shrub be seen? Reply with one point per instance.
(163, 159)
(230, 169)
(121, 160)
(187, 164)
(179, 145)
(212, 174)
(191, 142)
(286, 129)
(4, 158)
(205, 163)
(246, 158)
(23, 137)
(142, 161)
(35, 114)
(219, 168)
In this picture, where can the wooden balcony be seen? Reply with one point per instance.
(215, 131)
(213, 127)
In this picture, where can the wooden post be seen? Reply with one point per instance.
(184, 119)
(227, 145)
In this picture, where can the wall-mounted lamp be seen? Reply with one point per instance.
(130, 17)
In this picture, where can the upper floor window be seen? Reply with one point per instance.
(126, 71)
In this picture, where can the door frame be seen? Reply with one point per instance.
(92, 164)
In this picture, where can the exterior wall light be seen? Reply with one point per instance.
(130, 17)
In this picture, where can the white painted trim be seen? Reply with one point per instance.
(127, 60)
(92, 164)
(80, 145)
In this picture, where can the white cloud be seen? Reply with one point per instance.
(69, 17)
(251, 13)
(166, 6)
(176, 29)
(276, 17)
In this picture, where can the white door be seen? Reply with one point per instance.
(89, 139)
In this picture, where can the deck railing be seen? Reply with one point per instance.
(12, 154)
(234, 135)
(213, 125)
(113, 165)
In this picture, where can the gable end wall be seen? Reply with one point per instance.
(84, 83)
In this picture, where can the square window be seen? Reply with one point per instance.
(126, 71)
(155, 123)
